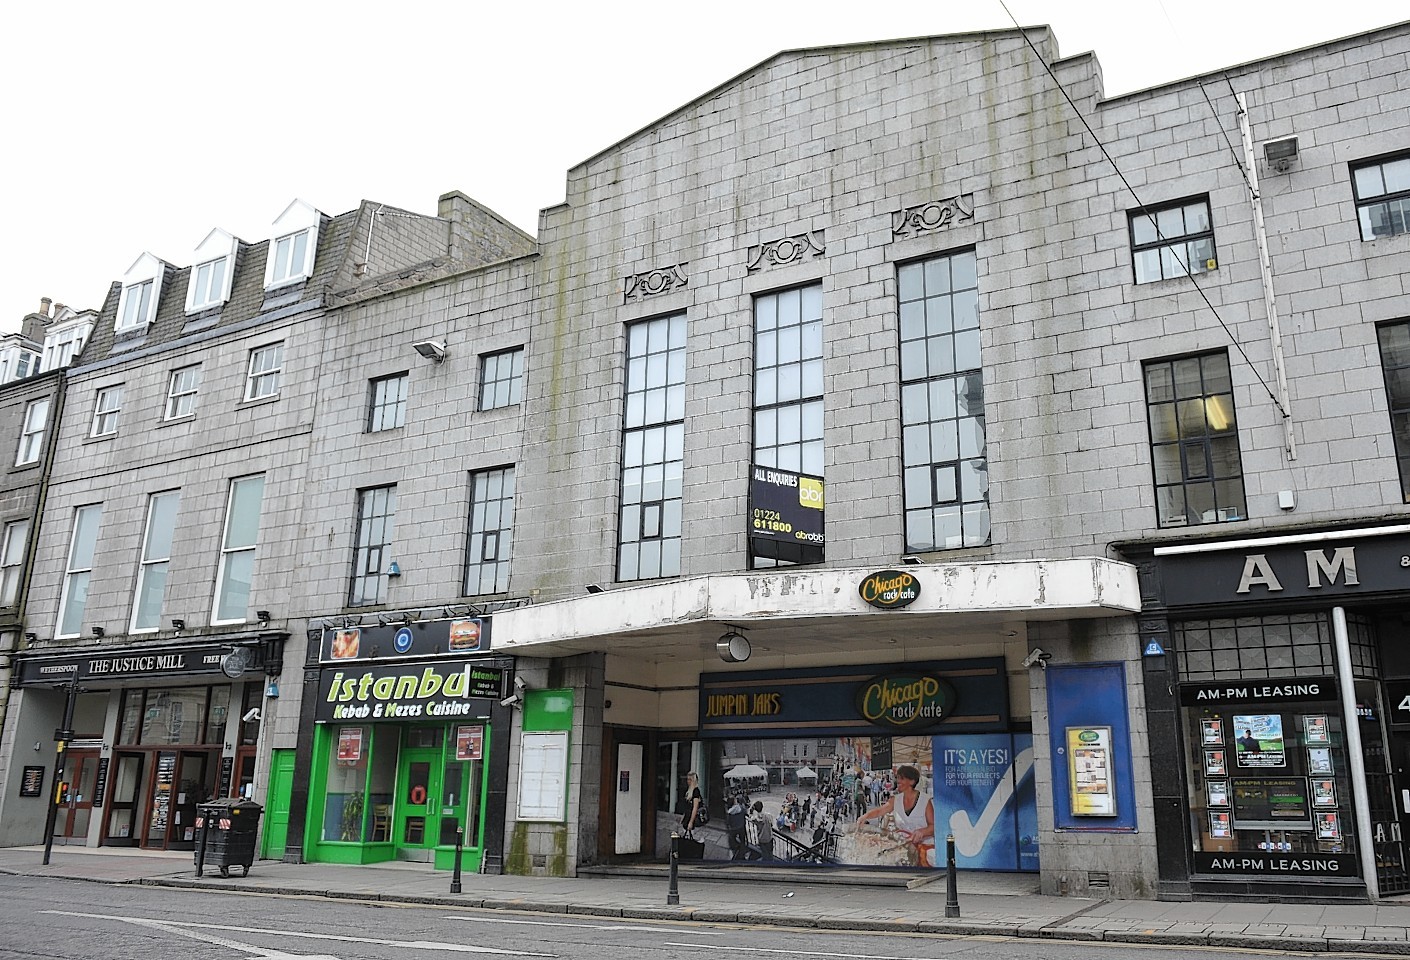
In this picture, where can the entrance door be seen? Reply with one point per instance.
(276, 799)
(82, 775)
(195, 783)
(418, 812)
(631, 770)
(124, 800)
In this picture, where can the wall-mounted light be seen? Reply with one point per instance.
(432, 350)
(262, 616)
(913, 561)
(1280, 154)
(733, 647)
(99, 632)
(32, 637)
(393, 569)
(594, 588)
(272, 689)
(178, 624)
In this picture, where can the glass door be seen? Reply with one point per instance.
(78, 799)
(124, 800)
(195, 783)
(418, 807)
(159, 806)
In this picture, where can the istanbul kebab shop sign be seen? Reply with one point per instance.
(423, 691)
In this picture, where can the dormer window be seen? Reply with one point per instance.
(63, 341)
(214, 271)
(141, 291)
(291, 252)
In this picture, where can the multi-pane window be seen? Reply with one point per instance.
(289, 256)
(1194, 441)
(12, 546)
(237, 550)
(386, 408)
(943, 445)
(181, 392)
(32, 432)
(1172, 241)
(491, 531)
(1395, 365)
(376, 513)
(60, 347)
(74, 595)
(501, 378)
(107, 409)
(1382, 189)
(653, 442)
(136, 304)
(266, 365)
(788, 380)
(208, 284)
(156, 561)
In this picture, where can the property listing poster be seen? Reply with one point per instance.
(985, 796)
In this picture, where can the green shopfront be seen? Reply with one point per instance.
(407, 746)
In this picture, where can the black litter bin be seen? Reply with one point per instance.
(225, 835)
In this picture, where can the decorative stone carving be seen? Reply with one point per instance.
(932, 216)
(782, 252)
(652, 282)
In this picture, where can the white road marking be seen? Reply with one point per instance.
(586, 926)
(793, 953)
(173, 925)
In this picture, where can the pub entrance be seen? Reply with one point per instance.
(77, 804)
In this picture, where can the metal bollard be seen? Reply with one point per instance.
(952, 890)
(203, 826)
(455, 876)
(673, 892)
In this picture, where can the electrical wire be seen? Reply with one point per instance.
(1144, 211)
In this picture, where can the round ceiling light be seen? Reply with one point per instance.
(733, 647)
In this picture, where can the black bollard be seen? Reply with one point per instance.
(455, 875)
(203, 826)
(952, 890)
(673, 892)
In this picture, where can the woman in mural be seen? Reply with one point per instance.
(912, 815)
(691, 803)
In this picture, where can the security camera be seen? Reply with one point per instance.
(1037, 658)
(251, 715)
(519, 685)
(513, 700)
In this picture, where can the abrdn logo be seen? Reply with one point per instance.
(810, 493)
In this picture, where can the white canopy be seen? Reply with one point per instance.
(746, 771)
(806, 773)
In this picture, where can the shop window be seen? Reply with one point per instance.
(173, 716)
(361, 776)
(219, 714)
(1255, 647)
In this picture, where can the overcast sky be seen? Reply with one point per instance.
(140, 126)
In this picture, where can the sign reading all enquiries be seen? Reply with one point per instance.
(434, 691)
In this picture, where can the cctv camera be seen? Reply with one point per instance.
(513, 700)
(519, 685)
(251, 715)
(1038, 657)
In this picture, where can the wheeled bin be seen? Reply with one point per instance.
(225, 835)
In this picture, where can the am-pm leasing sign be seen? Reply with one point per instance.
(786, 515)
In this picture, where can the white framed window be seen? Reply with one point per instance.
(36, 414)
(211, 277)
(141, 292)
(238, 545)
(107, 411)
(266, 365)
(152, 569)
(386, 408)
(181, 392)
(291, 252)
(63, 342)
(12, 544)
(74, 596)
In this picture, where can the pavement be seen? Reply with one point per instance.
(990, 904)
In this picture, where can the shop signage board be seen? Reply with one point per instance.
(131, 662)
(460, 637)
(1292, 690)
(1277, 864)
(906, 698)
(786, 515)
(1330, 570)
(889, 589)
(405, 691)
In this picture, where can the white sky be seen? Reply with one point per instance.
(142, 125)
